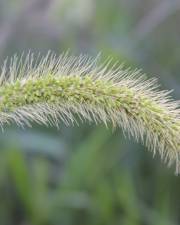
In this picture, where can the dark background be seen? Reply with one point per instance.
(87, 174)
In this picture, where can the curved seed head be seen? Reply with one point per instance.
(51, 89)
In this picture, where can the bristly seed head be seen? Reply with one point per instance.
(49, 89)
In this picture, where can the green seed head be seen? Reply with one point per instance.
(58, 88)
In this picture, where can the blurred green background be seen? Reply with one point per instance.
(87, 174)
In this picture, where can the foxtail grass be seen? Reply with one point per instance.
(50, 90)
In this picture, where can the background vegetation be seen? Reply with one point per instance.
(88, 174)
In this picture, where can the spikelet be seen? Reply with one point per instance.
(51, 89)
